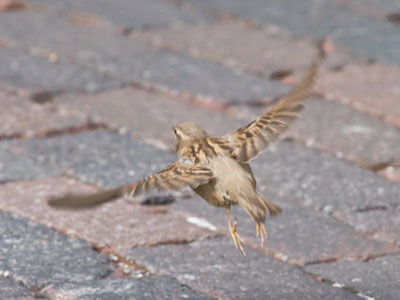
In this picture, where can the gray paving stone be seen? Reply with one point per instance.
(132, 109)
(378, 278)
(11, 290)
(339, 129)
(37, 255)
(383, 7)
(298, 235)
(102, 157)
(146, 288)
(322, 181)
(23, 118)
(21, 70)
(131, 59)
(14, 166)
(380, 222)
(374, 39)
(216, 267)
(302, 17)
(130, 14)
(371, 37)
(66, 38)
(183, 73)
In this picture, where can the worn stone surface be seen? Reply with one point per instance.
(102, 157)
(120, 225)
(178, 73)
(371, 37)
(322, 181)
(13, 166)
(269, 51)
(11, 290)
(21, 70)
(372, 88)
(215, 267)
(130, 14)
(371, 7)
(345, 132)
(148, 116)
(146, 288)
(37, 255)
(336, 128)
(298, 235)
(74, 41)
(380, 222)
(21, 117)
(378, 278)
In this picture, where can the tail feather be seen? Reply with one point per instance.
(259, 208)
(272, 208)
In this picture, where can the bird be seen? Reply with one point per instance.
(217, 168)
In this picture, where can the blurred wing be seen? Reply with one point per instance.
(247, 142)
(176, 176)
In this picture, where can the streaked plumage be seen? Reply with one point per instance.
(217, 168)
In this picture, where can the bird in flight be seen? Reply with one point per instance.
(217, 169)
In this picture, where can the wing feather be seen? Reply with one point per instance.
(175, 176)
(247, 142)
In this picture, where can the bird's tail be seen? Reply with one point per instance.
(272, 208)
(75, 201)
(259, 208)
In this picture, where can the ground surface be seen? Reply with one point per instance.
(89, 91)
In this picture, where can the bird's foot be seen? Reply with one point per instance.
(236, 238)
(261, 232)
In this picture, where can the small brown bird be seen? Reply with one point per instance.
(217, 168)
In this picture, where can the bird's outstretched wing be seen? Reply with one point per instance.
(175, 176)
(245, 143)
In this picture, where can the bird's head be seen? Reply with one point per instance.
(187, 133)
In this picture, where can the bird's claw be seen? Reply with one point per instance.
(237, 239)
(261, 233)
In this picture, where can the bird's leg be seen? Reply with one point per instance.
(233, 230)
(261, 232)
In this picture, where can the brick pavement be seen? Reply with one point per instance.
(90, 90)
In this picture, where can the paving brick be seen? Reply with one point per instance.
(371, 7)
(65, 39)
(146, 288)
(374, 39)
(21, 117)
(132, 59)
(102, 157)
(336, 128)
(148, 116)
(267, 50)
(372, 88)
(10, 290)
(302, 17)
(13, 166)
(180, 73)
(298, 235)
(378, 278)
(380, 222)
(369, 36)
(130, 14)
(215, 267)
(322, 181)
(120, 225)
(38, 256)
(21, 70)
